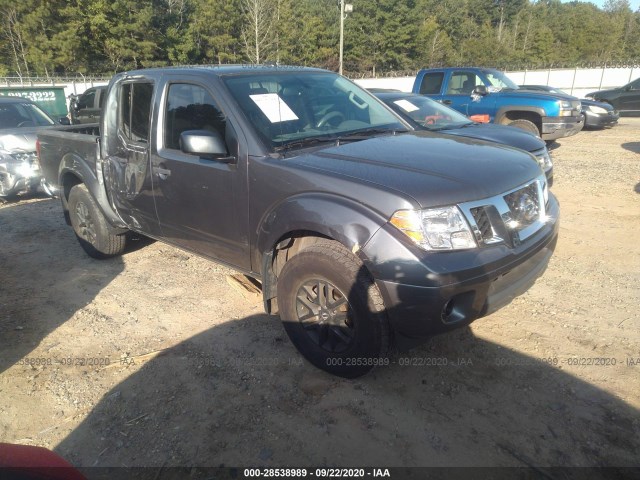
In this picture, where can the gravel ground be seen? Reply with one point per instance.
(153, 359)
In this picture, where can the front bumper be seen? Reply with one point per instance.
(427, 293)
(600, 120)
(558, 127)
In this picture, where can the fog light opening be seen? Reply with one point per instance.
(459, 309)
(447, 310)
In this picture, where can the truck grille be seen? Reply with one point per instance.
(30, 157)
(483, 222)
(508, 218)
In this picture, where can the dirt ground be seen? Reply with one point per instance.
(154, 359)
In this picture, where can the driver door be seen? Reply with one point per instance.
(459, 90)
(201, 202)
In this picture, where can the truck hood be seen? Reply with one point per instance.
(505, 135)
(593, 103)
(542, 96)
(21, 139)
(603, 93)
(433, 169)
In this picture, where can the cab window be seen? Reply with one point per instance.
(463, 83)
(190, 107)
(431, 83)
(135, 114)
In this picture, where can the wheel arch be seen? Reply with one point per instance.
(68, 180)
(297, 223)
(505, 115)
(74, 170)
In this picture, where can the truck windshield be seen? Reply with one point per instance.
(291, 109)
(19, 115)
(499, 80)
(426, 112)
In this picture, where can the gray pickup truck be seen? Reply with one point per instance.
(363, 233)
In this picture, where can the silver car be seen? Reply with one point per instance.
(20, 120)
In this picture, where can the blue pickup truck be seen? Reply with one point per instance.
(489, 95)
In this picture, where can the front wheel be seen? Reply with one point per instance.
(332, 310)
(91, 227)
(525, 125)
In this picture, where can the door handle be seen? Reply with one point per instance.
(446, 102)
(163, 173)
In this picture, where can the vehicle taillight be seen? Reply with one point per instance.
(38, 148)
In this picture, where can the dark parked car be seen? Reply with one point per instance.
(624, 99)
(427, 114)
(20, 120)
(86, 108)
(595, 114)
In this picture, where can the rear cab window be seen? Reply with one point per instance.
(432, 83)
(135, 111)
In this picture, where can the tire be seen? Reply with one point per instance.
(333, 311)
(584, 122)
(91, 227)
(525, 125)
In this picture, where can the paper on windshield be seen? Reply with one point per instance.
(275, 109)
(406, 105)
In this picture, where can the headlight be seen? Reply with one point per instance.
(435, 228)
(544, 159)
(594, 109)
(566, 108)
(26, 170)
(23, 164)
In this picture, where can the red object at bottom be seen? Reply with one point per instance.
(480, 118)
(34, 463)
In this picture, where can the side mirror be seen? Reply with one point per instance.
(205, 143)
(628, 88)
(480, 90)
(64, 121)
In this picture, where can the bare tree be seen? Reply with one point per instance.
(11, 31)
(177, 8)
(258, 30)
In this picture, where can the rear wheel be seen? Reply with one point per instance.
(526, 125)
(332, 310)
(91, 227)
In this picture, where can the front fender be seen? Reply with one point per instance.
(340, 218)
(503, 111)
(74, 165)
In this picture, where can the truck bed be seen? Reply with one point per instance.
(73, 143)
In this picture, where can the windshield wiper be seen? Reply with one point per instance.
(448, 126)
(438, 128)
(369, 132)
(303, 142)
(335, 139)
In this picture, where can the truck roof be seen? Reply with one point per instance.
(15, 99)
(219, 70)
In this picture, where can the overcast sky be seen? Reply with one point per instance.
(635, 4)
